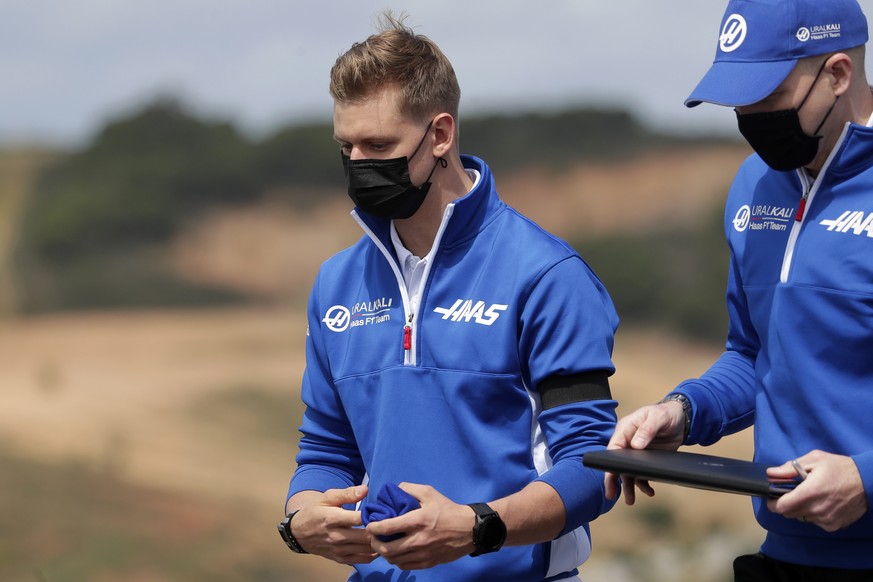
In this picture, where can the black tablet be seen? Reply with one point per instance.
(690, 470)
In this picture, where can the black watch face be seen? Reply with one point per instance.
(491, 533)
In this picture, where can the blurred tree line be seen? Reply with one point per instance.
(674, 278)
(98, 218)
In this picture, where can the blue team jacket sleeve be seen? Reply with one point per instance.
(568, 326)
(723, 398)
(571, 430)
(864, 462)
(329, 456)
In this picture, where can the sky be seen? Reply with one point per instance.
(68, 66)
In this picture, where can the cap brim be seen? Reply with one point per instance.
(734, 84)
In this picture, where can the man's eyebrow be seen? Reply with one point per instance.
(367, 139)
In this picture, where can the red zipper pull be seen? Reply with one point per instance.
(407, 335)
(800, 208)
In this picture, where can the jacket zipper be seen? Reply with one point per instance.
(801, 207)
(410, 331)
(810, 187)
(410, 358)
(407, 333)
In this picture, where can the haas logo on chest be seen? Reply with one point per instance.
(464, 310)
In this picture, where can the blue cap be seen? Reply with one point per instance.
(760, 41)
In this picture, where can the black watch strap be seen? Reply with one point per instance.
(285, 531)
(489, 532)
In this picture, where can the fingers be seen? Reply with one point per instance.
(795, 504)
(349, 495)
(420, 492)
(386, 528)
(630, 495)
(350, 546)
(611, 482)
(832, 497)
(787, 470)
(662, 425)
(626, 429)
(410, 558)
(657, 426)
(630, 485)
(333, 533)
(645, 488)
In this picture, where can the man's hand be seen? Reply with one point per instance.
(660, 426)
(832, 496)
(440, 531)
(324, 528)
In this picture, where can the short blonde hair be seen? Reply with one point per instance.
(396, 56)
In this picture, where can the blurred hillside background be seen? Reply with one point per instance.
(152, 346)
(159, 235)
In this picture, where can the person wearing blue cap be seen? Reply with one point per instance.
(457, 356)
(799, 223)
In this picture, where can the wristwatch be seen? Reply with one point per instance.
(489, 533)
(285, 531)
(686, 410)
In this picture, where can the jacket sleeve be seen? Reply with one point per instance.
(864, 462)
(568, 324)
(329, 456)
(723, 398)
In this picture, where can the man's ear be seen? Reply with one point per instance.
(841, 69)
(445, 132)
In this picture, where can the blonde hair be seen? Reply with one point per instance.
(396, 56)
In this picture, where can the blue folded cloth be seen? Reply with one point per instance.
(390, 501)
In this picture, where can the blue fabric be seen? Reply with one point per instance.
(390, 501)
(799, 346)
(761, 41)
(503, 306)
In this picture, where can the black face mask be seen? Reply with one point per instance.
(382, 188)
(778, 137)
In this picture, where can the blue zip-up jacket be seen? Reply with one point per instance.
(799, 359)
(447, 396)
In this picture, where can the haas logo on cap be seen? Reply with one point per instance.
(733, 33)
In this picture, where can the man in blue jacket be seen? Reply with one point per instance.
(457, 350)
(799, 224)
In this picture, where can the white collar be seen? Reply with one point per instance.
(403, 254)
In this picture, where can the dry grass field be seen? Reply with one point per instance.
(157, 445)
(203, 405)
(273, 252)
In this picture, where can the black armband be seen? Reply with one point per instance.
(558, 390)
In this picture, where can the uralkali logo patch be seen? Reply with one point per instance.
(818, 32)
(763, 217)
(340, 318)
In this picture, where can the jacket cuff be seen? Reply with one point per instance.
(315, 479)
(864, 461)
(581, 490)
